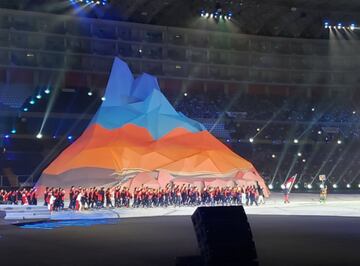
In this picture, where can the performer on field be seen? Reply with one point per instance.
(288, 186)
(323, 194)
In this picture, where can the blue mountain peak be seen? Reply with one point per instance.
(139, 102)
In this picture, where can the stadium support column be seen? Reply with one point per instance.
(36, 79)
(226, 89)
(88, 82)
(184, 84)
(7, 78)
(308, 92)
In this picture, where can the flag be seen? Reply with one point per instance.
(290, 182)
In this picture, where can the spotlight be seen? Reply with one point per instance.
(7, 136)
(32, 102)
(251, 140)
(26, 109)
(207, 14)
(271, 186)
(258, 129)
(296, 141)
(304, 160)
(103, 98)
(211, 15)
(70, 137)
(273, 156)
(296, 186)
(359, 185)
(309, 186)
(39, 136)
(335, 186)
(339, 141)
(282, 186)
(227, 140)
(38, 96)
(339, 26)
(13, 131)
(90, 93)
(326, 25)
(319, 132)
(348, 185)
(185, 94)
(354, 112)
(54, 137)
(47, 91)
(313, 109)
(299, 154)
(352, 26)
(202, 13)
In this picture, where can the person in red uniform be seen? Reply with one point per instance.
(72, 198)
(24, 199)
(46, 192)
(108, 198)
(33, 198)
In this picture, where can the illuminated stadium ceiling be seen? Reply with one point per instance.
(288, 18)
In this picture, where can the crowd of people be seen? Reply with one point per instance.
(145, 197)
(18, 196)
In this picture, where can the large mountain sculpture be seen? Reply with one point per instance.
(137, 136)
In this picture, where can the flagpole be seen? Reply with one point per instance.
(292, 184)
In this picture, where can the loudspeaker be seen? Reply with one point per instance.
(224, 236)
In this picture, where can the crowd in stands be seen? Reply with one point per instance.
(145, 197)
(307, 136)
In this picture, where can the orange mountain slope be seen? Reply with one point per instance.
(132, 147)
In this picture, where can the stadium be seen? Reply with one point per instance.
(127, 123)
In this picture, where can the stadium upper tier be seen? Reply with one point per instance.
(34, 47)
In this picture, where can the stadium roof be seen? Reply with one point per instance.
(289, 18)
